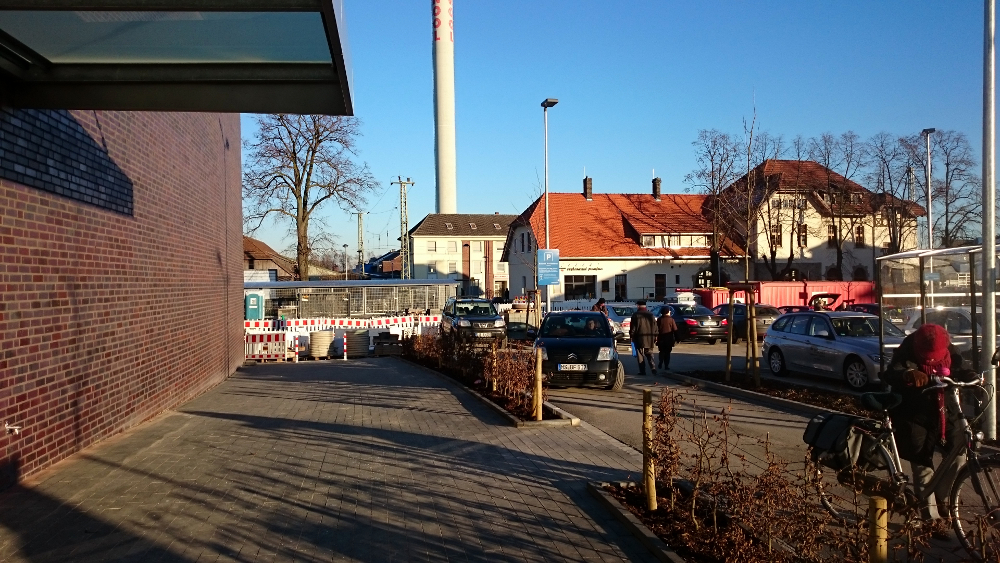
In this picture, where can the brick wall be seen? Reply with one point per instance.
(109, 317)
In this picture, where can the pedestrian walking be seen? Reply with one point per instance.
(643, 334)
(600, 306)
(666, 336)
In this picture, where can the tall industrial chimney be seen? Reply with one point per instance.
(444, 105)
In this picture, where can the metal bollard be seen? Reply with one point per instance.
(878, 530)
(537, 399)
(648, 469)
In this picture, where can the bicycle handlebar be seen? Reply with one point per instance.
(942, 382)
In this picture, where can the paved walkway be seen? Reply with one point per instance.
(367, 460)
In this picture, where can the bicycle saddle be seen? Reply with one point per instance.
(881, 401)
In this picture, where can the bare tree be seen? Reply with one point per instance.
(716, 154)
(888, 177)
(295, 165)
(958, 191)
(844, 155)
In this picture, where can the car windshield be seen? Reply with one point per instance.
(624, 311)
(475, 309)
(862, 326)
(575, 326)
(767, 311)
(685, 310)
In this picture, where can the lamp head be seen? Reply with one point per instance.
(928, 131)
(549, 102)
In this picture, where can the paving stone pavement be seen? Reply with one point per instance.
(365, 460)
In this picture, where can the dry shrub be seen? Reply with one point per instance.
(506, 375)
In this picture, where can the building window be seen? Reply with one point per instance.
(432, 268)
(803, 235)
(452, 267)
(856, 198)
(452, 247)
(579, 287)
(529, 242)
(501, 267)
(621, 287)
(605, 286)
(524, 283)
(648, 240)
(659, 286)
(776, 235)
(831, 236)
(477, 267)
(449, 226)
(496, 226)
(522, 242)
(859, 236)
(477, 245)
(885, 247)
(677, 279)
(432, 246)
(674, 241)
(472, 226)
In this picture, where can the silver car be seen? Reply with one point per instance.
(621, 319)
(839, 344)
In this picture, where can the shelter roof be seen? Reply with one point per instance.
(463, 225)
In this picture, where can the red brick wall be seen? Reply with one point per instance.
(107, 319)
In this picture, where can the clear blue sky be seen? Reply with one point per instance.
(635, 83)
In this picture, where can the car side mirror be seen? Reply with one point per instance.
(966, 331)
(908, 331)
(822, 334)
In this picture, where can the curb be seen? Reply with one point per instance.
(746, 394)
(563, 418)
(646, 537)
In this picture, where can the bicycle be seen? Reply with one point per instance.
(974, 503)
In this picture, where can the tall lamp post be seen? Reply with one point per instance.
(345, 261)
(546, 104)
(930, 213)
(989, 211)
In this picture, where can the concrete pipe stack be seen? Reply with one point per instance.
(320, 343)
(357, 343)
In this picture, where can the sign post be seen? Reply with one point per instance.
(547, 272)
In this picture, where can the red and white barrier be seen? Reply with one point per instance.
(283, 339)
(271, 346)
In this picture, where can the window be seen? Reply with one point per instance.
(776, 235)
(522, 242)
(776, 203)
(579, 287)
(452, 267)
(659, 286)
(831, 236)
(674, 241)
(496, 226)
(648, 240)
(529, 242)
(856, 198)
(802, 235)
(819, 328)
(472, 226)
(432, 268)
(605, 286)
(477, 245)
(677, 279)
(799, 324)
(432, 246)
(859, 236)
(499, 247)
(477, 267)
(886, 245)
(449, 226)
(780, 324)
(501, 268)
(621, 287)
(524, 283)
(452, 247)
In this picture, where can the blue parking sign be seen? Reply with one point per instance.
(548, 267)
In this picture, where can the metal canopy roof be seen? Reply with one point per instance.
(925, 253)
(254, 56)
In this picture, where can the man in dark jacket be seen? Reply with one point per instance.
(666, 335)
(918, 420)
(643, 335)
(601, 306)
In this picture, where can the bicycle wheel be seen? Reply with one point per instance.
(975, 508)
(867, 480)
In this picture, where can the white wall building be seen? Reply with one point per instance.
(466, 247)
(617, 246)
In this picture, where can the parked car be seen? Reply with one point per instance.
(573, 354)
(794, 309)
(472, 320)
(956, 320)
(696, 322)
(895, 315)
(765, 315)
(823, 301)
(622, 317)
(839, 344)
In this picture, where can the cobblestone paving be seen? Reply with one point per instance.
(366, 460)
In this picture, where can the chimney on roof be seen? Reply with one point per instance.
(656, 189)
(588, 188)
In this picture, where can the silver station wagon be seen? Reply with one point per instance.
(838, 344)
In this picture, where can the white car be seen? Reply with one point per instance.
(621, 317)
(956, 320)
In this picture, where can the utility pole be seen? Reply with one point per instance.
(404, 229)
(361, 239)
(989, 213)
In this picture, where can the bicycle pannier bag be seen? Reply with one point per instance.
(833, 440)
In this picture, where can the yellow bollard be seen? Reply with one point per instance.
(648, 470)
(538, 384)
(878, 530)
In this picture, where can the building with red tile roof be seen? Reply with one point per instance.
(616, 246)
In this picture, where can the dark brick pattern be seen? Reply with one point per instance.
(107, 319)
(51, 151)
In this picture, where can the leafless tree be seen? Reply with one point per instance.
(844, 155)
(295, 165)
(717, 155)
(888, 177)
(957, 193)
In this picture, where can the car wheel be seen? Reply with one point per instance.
(619, 380)
(712, 341)
(776, 361)
(855, 373)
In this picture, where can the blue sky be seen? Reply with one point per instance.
(635, 83)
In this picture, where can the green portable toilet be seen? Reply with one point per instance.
(253, 307)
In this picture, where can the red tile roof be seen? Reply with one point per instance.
(610, 225)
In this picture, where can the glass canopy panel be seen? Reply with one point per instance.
(171, 37)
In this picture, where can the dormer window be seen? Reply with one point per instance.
(472, 226)
(496, 226)
(449, 226)
(648, 240)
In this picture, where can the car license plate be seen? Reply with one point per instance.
(483, 335)
(572, 367)
(709, 323)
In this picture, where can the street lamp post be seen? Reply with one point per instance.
(546, 104)
(345, 262)
(989, 423)
(930, 213)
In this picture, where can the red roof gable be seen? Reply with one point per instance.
(610, 225)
